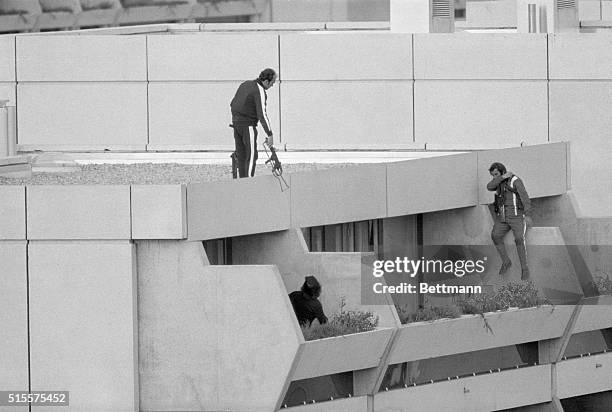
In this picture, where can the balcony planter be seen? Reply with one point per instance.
(584, 375)
(354, 404)
(595, 314)
(489, 392)
(468, 333)
(341, 353)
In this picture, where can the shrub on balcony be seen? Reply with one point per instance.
(19, 7)
(60, 6)
(428, 314)
(87, 5)
(346, 322)
(603, 285)
(522, 294)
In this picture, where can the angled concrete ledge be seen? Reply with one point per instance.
(595, 314)
(474, 332)
(78, 212)
(341, 353)
(527, 162)
(489, 392)
(236, 207)
(416, 186)
(354, 404)
(581, 376)
(338, 195)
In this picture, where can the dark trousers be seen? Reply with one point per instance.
(245, 138)
(519, 229)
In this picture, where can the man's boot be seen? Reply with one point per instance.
(503, 254)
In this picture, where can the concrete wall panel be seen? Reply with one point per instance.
(469, 333)
(488, 392)
(14, 319)
(195, 116)
(177, 340)
(338, 195)
(7, 63)
(358, 351)
(426, 185)
(159, 212)
(12, 212)
(526, 162)
(83, 325)
(82, 116)
(581, 376)
(250, 353)
(81, 58)
(78, 212)
(589, 10)
(8, 91)
(200, 347)
(333, 56)
(580, 113)
(580, 56)
(211, 56)
(480, 56)
(237, 207)
(345, 115)
(480, 114)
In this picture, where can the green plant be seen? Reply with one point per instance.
(345, 322)
(429, 313)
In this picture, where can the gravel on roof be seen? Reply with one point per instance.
(150, 173)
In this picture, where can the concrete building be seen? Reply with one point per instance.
(173, 297)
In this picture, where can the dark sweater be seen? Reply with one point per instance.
(249, 106)
(515, 197)
(307, 308)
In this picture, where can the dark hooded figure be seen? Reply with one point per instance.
(306, 302)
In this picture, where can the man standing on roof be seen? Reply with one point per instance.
(512, 208)
(249, 106)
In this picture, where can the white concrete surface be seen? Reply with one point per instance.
(338, 195)
(580, 56)
(159, 211)
(7, 63)
(73, 115)
(217, 209)
(14, 319)
(81, 58)
(83, 324)
(12, 213)
(78, 212)
(8, 91)
(484, 393)
(333, 56)
(581, 376)
(474, 114)
(379, 114)
(211, 56)
(426, 185)
(480, 56)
